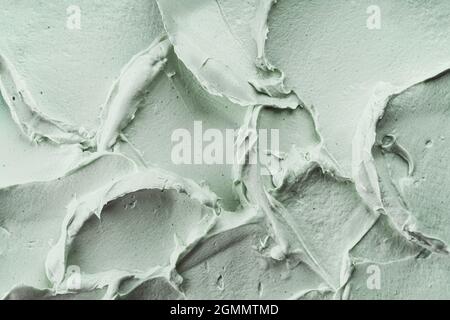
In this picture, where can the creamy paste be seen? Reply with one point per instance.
(351, 204)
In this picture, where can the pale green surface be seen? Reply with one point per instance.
(87, 179)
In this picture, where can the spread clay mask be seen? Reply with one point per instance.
(224, 149)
